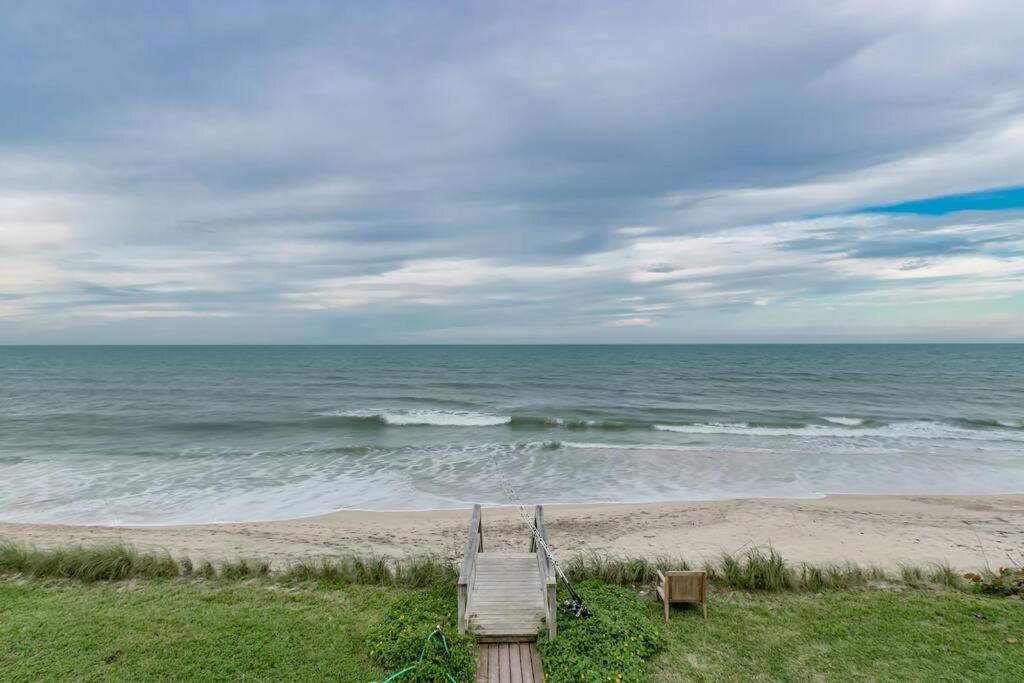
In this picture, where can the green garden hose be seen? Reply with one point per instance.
(436, 633)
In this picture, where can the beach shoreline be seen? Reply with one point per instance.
(966, 532)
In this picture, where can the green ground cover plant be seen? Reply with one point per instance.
(613, 644)
(401, 640)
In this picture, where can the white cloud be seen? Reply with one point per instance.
(632, 322)
(575, 171)
(993, 157)
(131, 311)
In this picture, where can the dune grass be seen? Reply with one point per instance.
(120, 562)
(764, 569)
(756, 569)
(420, 572)
(104, 563)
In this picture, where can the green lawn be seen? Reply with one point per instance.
(168, 630)
(199, 630)
(845, 636)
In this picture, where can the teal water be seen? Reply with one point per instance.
(119, 435)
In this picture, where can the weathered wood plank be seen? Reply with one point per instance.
(506, 597)
(508, 638)
(522, 657)
(472, 546)
(515, 664)
(483, 652)
(538, 667)
(504, 665)
(493, 663)
(524, 662)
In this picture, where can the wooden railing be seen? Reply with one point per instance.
(548, 579)
(474, 545)
(546, 570)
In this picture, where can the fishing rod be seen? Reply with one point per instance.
(574, 604)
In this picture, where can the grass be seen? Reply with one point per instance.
(106, 563)
(844, 636)
(193, 629)
(421, 572)
(765, 570)
(756, 570)
(115, 613)
(119, 562)
(185, 630)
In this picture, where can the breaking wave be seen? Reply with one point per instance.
(920, 429)
(438, 418)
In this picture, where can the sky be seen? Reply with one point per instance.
(529, 172)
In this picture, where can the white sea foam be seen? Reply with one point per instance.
(587, 445)
(439, 418)
(848, 421)
(445, 418)
(896, 430)
(224, 485)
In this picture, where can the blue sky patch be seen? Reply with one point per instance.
(1003, 199)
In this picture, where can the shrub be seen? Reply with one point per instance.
(1005, 581)
(398, 640)
(613, 644)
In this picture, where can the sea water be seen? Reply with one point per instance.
(157, 435)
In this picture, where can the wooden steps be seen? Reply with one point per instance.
(506, 600)
(509, 663)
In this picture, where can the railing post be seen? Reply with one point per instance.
(463, 620)
(473, 544)
(552, 608)
(549, 584)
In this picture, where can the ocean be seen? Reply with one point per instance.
(177, 434)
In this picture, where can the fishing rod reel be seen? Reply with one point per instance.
(575, 606)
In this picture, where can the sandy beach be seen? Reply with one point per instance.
(965, 531)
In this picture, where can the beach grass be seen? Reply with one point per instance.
(756, 569)
(120, 562)
(764, 569)
(193, 629)
(418, 572)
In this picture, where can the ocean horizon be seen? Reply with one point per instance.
(142, 434)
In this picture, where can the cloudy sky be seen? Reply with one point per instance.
(411, 172)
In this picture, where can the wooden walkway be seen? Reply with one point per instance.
(505, 599)
(509, 663)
